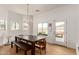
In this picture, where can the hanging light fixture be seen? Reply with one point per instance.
(27, 13)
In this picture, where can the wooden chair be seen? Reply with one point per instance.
(41, 45)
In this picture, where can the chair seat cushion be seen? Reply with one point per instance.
(39, 46)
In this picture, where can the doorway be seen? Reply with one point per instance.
(60, 32)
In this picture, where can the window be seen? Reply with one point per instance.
(42, 29)
(2, 24)
(15, 26)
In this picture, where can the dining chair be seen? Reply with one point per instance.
(41, 45)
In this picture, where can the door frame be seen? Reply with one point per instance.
(65, 32)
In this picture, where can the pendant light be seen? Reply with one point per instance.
(28, 13)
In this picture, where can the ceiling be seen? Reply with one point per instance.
(22, 8)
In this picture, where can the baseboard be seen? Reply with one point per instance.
(60, 45)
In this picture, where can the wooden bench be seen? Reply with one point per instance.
(21, 45)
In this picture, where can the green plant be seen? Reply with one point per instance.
(42, 33)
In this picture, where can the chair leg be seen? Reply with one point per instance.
(11, 44)
(45, 51)
(16, 49)
(25, 52)
(40, 51)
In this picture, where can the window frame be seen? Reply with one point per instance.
(42, 27)
(15, 26)
(4, 23)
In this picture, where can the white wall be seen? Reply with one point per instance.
(14, 17)
(77, 44)
(66, 12)
(10, 17)
(3, 15)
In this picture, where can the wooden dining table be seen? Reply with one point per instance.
(31, 39)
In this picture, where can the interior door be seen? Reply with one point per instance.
(60, 32)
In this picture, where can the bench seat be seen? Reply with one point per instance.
(23, 46)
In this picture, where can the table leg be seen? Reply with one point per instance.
(11, 44)
(33, 48)
(16, 49)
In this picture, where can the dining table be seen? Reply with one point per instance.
(31, 39)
